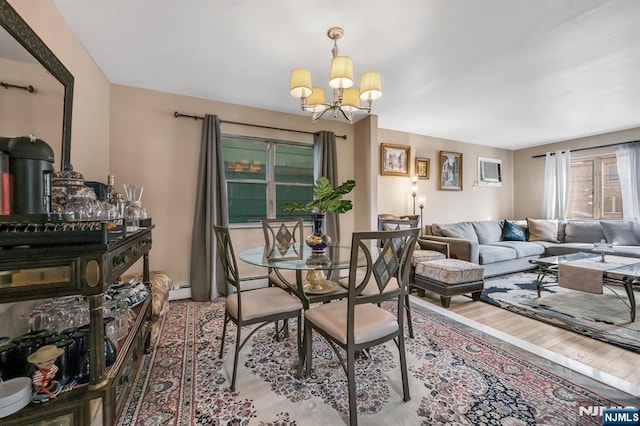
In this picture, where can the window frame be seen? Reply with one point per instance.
(597, 184)
(271, 144)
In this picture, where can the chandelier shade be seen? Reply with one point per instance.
(351, 99)
(345, 98)
(341, 72)
(370, 86)
(301, 83)
(316, 102)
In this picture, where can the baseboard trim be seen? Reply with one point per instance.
(180, 293)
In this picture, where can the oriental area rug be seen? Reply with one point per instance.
(458, 376)
(604, 317)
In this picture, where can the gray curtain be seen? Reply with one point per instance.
(211, 208)
(325, 164)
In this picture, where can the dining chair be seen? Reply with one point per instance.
(392, 224)
(259, 306)
(362, 321)
(281, 235)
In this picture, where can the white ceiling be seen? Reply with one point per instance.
(504, 73)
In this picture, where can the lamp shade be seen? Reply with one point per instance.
(351, 99)
(315, 102)
(370, 86)
(341, 72)
(300, 85)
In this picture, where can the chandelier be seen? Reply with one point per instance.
(346, 99)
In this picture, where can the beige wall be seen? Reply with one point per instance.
(365, 192)
(90, 123)
(529, 172)
(483, 202)
(152, 148)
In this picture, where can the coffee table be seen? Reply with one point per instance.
(627, 276)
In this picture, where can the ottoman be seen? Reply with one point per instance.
(449, 277)
(425, 256)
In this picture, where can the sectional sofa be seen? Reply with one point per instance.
(505, 246)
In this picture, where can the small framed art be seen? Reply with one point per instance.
(394, 159)
(450, 171)
(422, 168)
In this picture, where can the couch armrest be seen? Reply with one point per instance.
(440, 246)
(459, 248)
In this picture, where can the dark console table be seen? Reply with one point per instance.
(70, 259)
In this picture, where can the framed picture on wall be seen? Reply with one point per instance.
(422, 168)
(450, 171)
(395, 159)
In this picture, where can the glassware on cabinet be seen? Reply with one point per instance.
(31, 317)
(83, 208)
(134, 214)
(134, 211)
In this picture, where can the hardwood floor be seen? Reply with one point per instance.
(611, 360)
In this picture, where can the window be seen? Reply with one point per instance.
(262, 174)
(594, 190)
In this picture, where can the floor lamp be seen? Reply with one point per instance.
(421, 201)
(414, 191)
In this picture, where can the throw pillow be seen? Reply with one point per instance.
(543, 230)
(579, 231)
(619, 233)
(513, 232)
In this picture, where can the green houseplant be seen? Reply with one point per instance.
(325, 199)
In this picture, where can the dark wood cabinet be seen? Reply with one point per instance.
(65, 266)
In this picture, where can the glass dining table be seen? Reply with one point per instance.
(316, 274)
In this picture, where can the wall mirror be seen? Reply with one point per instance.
(45, 111)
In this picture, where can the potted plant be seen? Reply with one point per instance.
(326, 198)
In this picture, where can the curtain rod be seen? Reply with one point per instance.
(195, 117)
(584, 149)
(28, 88)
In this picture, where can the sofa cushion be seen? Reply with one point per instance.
(583, 232)
(619, 233)
(543, 230)
(491, 253)
(464, 230)
(628, 251)
(513, 232)
(488, 231)
(567, 248)
(522, 248)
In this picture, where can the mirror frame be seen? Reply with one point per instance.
(11, 21)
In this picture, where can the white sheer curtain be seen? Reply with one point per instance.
(628, 161)
(557, 167)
